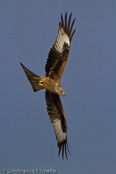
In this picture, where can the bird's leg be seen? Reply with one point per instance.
(40, 83)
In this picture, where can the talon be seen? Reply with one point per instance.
(40, 83)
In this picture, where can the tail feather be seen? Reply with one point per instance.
(33, 79)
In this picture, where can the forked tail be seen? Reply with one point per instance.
(34, 79)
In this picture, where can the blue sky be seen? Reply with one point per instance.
(27, 31)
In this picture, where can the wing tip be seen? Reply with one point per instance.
(67, 28)
(64, 148)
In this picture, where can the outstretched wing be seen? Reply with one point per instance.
(58, 53)
(58, 120)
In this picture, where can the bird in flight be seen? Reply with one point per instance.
(57, 58)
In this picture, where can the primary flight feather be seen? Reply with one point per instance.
(57, 58)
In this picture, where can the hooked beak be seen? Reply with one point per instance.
(62, 94)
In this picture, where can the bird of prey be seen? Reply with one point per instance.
(57, 58)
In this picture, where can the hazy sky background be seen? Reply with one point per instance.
(27, 141)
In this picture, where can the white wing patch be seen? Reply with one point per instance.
(61, 38)
(60, 135)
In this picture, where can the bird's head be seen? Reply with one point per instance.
(60, 91)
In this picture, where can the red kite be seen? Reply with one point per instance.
(57, 58)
